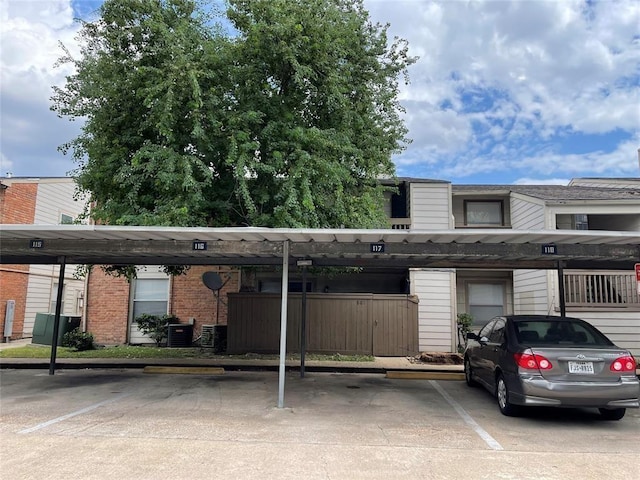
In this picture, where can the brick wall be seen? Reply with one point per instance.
(17, 205)
(18, 202)
(108, 302)
(13, 286)
(190, 298)
(107, 307)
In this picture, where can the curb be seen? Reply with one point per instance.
(333, 367)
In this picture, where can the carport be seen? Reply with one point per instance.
(249, 246)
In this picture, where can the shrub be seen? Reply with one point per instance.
(156, 326)
(465, 320)
(79, 341)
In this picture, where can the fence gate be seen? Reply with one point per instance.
(395, 325)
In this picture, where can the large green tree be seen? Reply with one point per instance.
(287, 116)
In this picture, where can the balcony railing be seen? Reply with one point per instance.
(400, 223)
(606, 289)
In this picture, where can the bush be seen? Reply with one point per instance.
(465, 321)
(79, 341)
(156, 326)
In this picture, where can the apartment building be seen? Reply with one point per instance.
(29, 289)
(608, 299)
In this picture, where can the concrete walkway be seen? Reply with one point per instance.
(378, 365)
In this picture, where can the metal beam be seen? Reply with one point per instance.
(563, 304)
(401, 254)
(283, 322)
(56, 318)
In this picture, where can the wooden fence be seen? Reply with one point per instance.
(368, 324)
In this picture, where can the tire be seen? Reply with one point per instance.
(468, 374)
(612, 414)
(502, 395)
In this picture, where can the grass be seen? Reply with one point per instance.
(133, 352)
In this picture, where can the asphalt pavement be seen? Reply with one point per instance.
(127, 424)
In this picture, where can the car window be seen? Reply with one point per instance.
(559, 332)
(486, 330)
(497, 334)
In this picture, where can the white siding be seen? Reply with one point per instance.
(38, 297)
(55, 197)
(430, 205)
(40, 293)
(527, 215)
(530, 287)
(623, 328)
(436, 314)
(530, 292)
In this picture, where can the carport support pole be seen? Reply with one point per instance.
(563, 306)
(283, 321)
(303, 326)
(56, 318)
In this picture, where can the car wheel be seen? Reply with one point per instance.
(612, 414)
(502, 394)
(468, 374)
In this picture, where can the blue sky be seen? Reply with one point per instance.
(531, 91)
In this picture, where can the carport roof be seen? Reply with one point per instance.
(477, 248)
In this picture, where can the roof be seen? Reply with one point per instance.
(477, 248)
(554, 192)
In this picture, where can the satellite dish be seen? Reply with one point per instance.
(212, 281)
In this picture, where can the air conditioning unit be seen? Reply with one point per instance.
(208, 336)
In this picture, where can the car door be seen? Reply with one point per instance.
(494, 349)
(478, 356)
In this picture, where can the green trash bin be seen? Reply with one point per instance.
(43, 327)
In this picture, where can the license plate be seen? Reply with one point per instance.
(581, 367)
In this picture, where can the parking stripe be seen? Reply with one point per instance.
(484, 435)
(73, 414)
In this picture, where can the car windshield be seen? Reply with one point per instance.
(559, 332)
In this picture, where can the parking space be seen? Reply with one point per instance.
(127, 424)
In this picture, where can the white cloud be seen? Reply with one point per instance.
(31, 32)
(561, 66)
(30, 38)
(538, 72)
(543, 181)
(621, 162)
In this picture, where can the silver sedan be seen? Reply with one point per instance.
(537, 360)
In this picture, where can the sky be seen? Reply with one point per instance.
(503, 92)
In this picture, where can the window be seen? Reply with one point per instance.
(486, 300)
(66, 219)
(497, 334)
(486, 330)
(581, 222)
(483, 213)
(151, 295)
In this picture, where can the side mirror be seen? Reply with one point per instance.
(472, 336)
